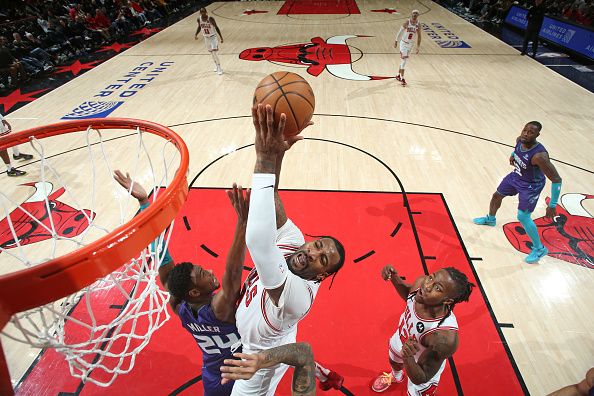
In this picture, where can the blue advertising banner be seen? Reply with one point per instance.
(576, 38)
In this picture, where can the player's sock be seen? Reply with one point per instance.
(321, 372)
(328, 379)
(398, 375)
(15, 151)
(528, 224)
(8, 167)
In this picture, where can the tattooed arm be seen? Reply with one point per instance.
(440, 346)
(298, 355)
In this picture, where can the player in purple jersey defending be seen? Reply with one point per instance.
(208, 316)
(531, 162)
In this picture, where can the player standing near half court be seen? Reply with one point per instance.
(283, 286)
(406, 36)
(531, 162)
(427, 333)
(208, 26)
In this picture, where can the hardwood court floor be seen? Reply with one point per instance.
(450, 131)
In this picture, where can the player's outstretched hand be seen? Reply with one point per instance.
(396, 44)
(388, 272)
(135, 189)
(240, 202)
(270, 140)
(240, 369)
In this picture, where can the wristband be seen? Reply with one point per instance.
(555, 191)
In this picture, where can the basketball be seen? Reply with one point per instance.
(287, 93)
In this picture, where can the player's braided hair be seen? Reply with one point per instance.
(179, 280)
(463, 290)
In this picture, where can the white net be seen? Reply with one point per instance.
(102, 328)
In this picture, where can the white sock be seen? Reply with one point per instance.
(397, 374)
(321, 372)
(15, 151)
(8, 167)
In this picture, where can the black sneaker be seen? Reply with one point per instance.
(15, 172)
(23, 156)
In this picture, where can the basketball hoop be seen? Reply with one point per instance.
(30, 295)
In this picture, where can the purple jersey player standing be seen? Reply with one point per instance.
(208, 316)
(531, 162)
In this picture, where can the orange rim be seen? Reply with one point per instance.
(32, 287)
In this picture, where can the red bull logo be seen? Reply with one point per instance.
(333, 55)
(569, 237)
(34, 220)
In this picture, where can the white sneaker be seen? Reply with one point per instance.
(219, 71)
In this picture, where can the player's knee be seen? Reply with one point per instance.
(497, 196)
(524, 216)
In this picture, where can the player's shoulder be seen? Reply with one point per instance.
(443, 341)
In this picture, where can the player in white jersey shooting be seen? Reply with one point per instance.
(281, 289)
(208, 26)
(427, 333)
(406, 36)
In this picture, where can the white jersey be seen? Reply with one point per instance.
(410, 32)
(413, 326)
(262, 324)
(207, 28)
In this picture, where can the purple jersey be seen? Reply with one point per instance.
(523, 163)
(218, 340)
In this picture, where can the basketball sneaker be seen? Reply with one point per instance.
(219, 71)
(333, 381)
(15, 173)
(398, 78)
(487, 220)
(384, 380)
(403, 81)
(536, 254)
(22, 156)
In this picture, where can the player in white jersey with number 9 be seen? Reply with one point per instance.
(282, 288)
(427, 333)
(406, 35)
(209, 29)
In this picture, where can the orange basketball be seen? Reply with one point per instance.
(287, 93)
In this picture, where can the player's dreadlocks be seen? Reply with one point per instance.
(463, 289)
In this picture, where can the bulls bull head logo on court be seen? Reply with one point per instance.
(32, 221)
(318, 55)
(569, 237)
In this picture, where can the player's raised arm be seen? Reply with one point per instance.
(261, 228)
(403, 289)
(139, 192)
(224, 302)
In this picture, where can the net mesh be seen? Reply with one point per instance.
(100, 329)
